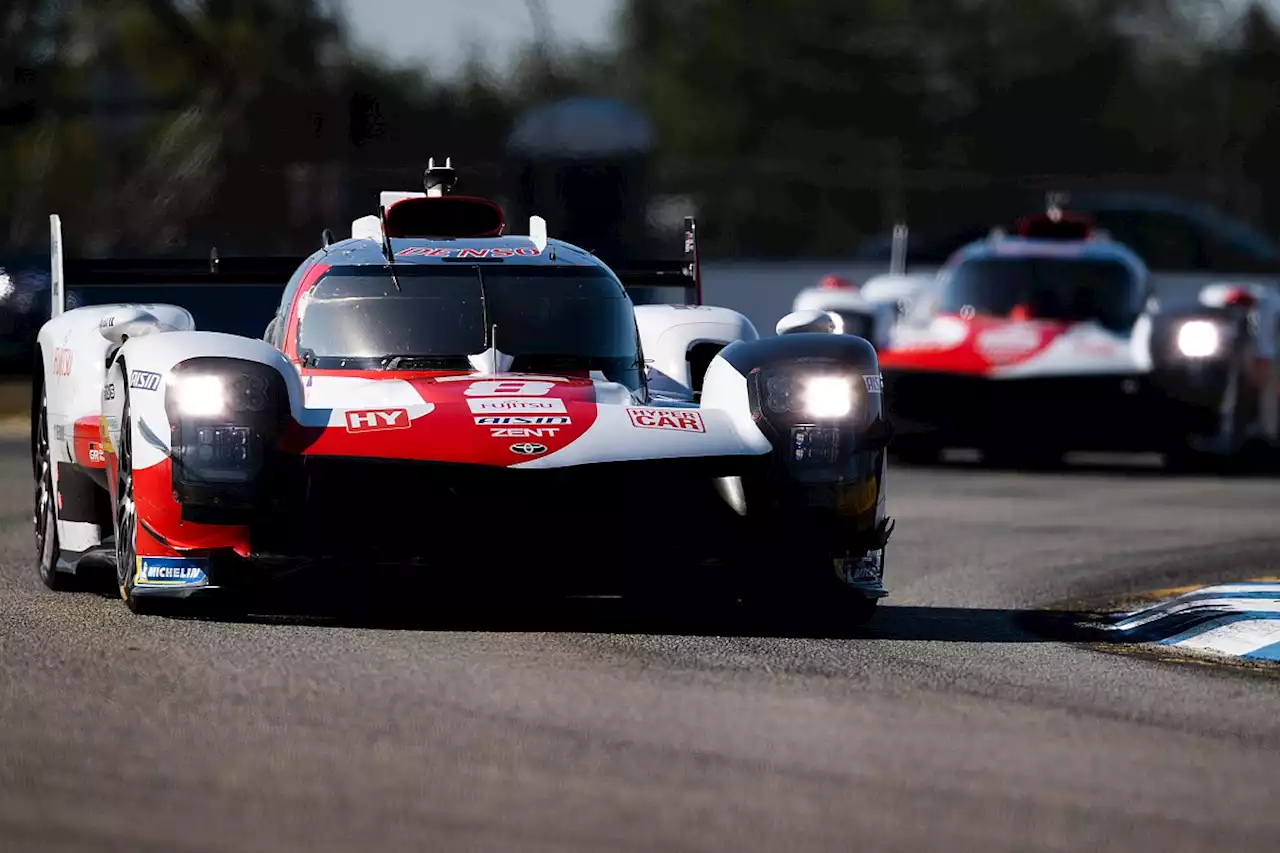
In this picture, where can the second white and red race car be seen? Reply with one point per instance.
(1052, 339)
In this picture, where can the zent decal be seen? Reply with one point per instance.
(171, 571)
(61, 361)
(493, 420)
(109, 391)
(95, 453)
(517, 405)
(527, 449)
(144, 380)
(684, 421)
(874, 384)
(377, 420)
(523, 432)
(509, 388)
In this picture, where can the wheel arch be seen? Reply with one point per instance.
(37, 395)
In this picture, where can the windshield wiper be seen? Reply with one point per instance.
(421, 362)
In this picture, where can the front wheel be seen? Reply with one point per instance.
(126, 524)
(831, 592)
(45, 516)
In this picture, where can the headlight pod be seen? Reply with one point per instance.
(224, 414)
(817, 395)
(220, 394)
(1200, 339)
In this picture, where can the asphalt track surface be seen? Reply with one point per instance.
(591, 725)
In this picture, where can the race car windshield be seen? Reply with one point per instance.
(568, 320)
(1072, 289)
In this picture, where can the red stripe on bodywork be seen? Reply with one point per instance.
(87, 443)
(309, 279)
(989, 343)
(476, 420)
(153, 496)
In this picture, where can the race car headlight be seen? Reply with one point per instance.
(1199, 339)
(825, 397)
(224, 415)
(210, 395)
(808, 395)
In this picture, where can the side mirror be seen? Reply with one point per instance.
(130, 322)
(808, 321)
(879, 435)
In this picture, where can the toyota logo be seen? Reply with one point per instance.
(527, 449)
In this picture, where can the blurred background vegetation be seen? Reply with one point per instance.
(792, 127)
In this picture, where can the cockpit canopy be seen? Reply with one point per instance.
(1104, 290)
(564, 320)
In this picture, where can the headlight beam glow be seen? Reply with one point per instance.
(827, 396)
(201, 395)
(1199, 339)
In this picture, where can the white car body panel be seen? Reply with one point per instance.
(669, 332)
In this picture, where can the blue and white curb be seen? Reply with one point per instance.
(1240, 620)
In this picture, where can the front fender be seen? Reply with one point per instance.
(142, 370)
(678, 339)
(817, 400)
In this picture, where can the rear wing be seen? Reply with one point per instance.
(685, 274)
(161, 272)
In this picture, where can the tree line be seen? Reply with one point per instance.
(796, 126)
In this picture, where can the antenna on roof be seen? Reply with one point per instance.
(1055, 203)
(898, 250)
(213, 260)
(538, 232)
(326, 238)
(386, 246)
(439, 180)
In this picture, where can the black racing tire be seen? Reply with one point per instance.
(125, 514)
(45, 514)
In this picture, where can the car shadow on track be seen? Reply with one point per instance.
(616, 615)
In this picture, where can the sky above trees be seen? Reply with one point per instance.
(442, 34)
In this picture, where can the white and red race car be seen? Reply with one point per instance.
(1050, 339)
(431, 393)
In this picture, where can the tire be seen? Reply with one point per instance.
(125, 514)
(45, 514)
